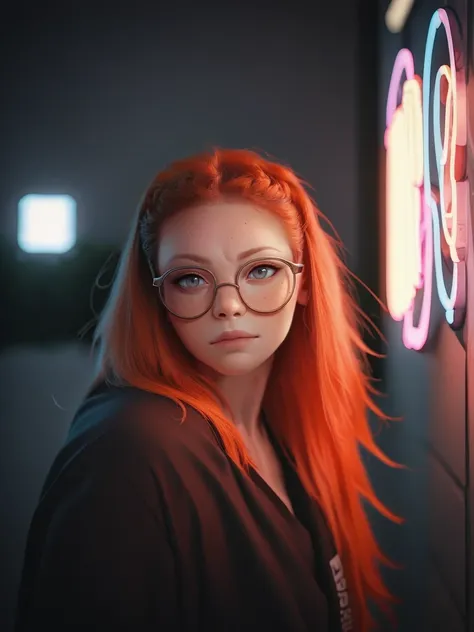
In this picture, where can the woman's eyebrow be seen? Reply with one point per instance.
(242, 255)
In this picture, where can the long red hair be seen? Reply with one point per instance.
(319, 392)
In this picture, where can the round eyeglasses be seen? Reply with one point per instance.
(265, 286)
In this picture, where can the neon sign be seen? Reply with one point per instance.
(426, 224)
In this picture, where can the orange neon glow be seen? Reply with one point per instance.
(404, 142)
(447, 161)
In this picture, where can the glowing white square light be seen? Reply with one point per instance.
(46, 223)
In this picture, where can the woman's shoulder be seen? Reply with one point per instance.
(130, 413)
(130, 432)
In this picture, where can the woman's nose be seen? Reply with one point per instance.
(228, 302)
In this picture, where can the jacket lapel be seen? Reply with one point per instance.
(328, 567)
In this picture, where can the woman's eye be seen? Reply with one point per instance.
(193, 278)
(264, 272)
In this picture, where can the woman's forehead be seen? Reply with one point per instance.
(231, 227)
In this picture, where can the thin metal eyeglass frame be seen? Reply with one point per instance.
(296, 268)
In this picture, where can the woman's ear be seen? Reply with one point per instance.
(303, 293)
(302, 296)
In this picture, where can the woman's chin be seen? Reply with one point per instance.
(238, 365)
(234, 371)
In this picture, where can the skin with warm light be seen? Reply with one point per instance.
(232, 227)
(413, 210)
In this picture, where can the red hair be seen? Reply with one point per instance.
(319, 392)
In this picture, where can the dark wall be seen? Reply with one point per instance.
(99, 102)
(95, 104)
(432, 391)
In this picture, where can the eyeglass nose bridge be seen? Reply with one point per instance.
(219, 285)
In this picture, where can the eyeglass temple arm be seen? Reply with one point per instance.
(150, 267)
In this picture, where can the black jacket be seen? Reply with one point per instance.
(144, 523)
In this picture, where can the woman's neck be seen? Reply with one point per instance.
(244, 395)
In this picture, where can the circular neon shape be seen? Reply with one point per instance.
(415, 213)
(450, 218)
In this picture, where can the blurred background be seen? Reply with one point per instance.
(97, 99)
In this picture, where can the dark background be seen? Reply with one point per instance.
(97, 99)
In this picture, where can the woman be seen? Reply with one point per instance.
(211, 480)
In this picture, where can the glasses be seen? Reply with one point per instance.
(264, 285)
